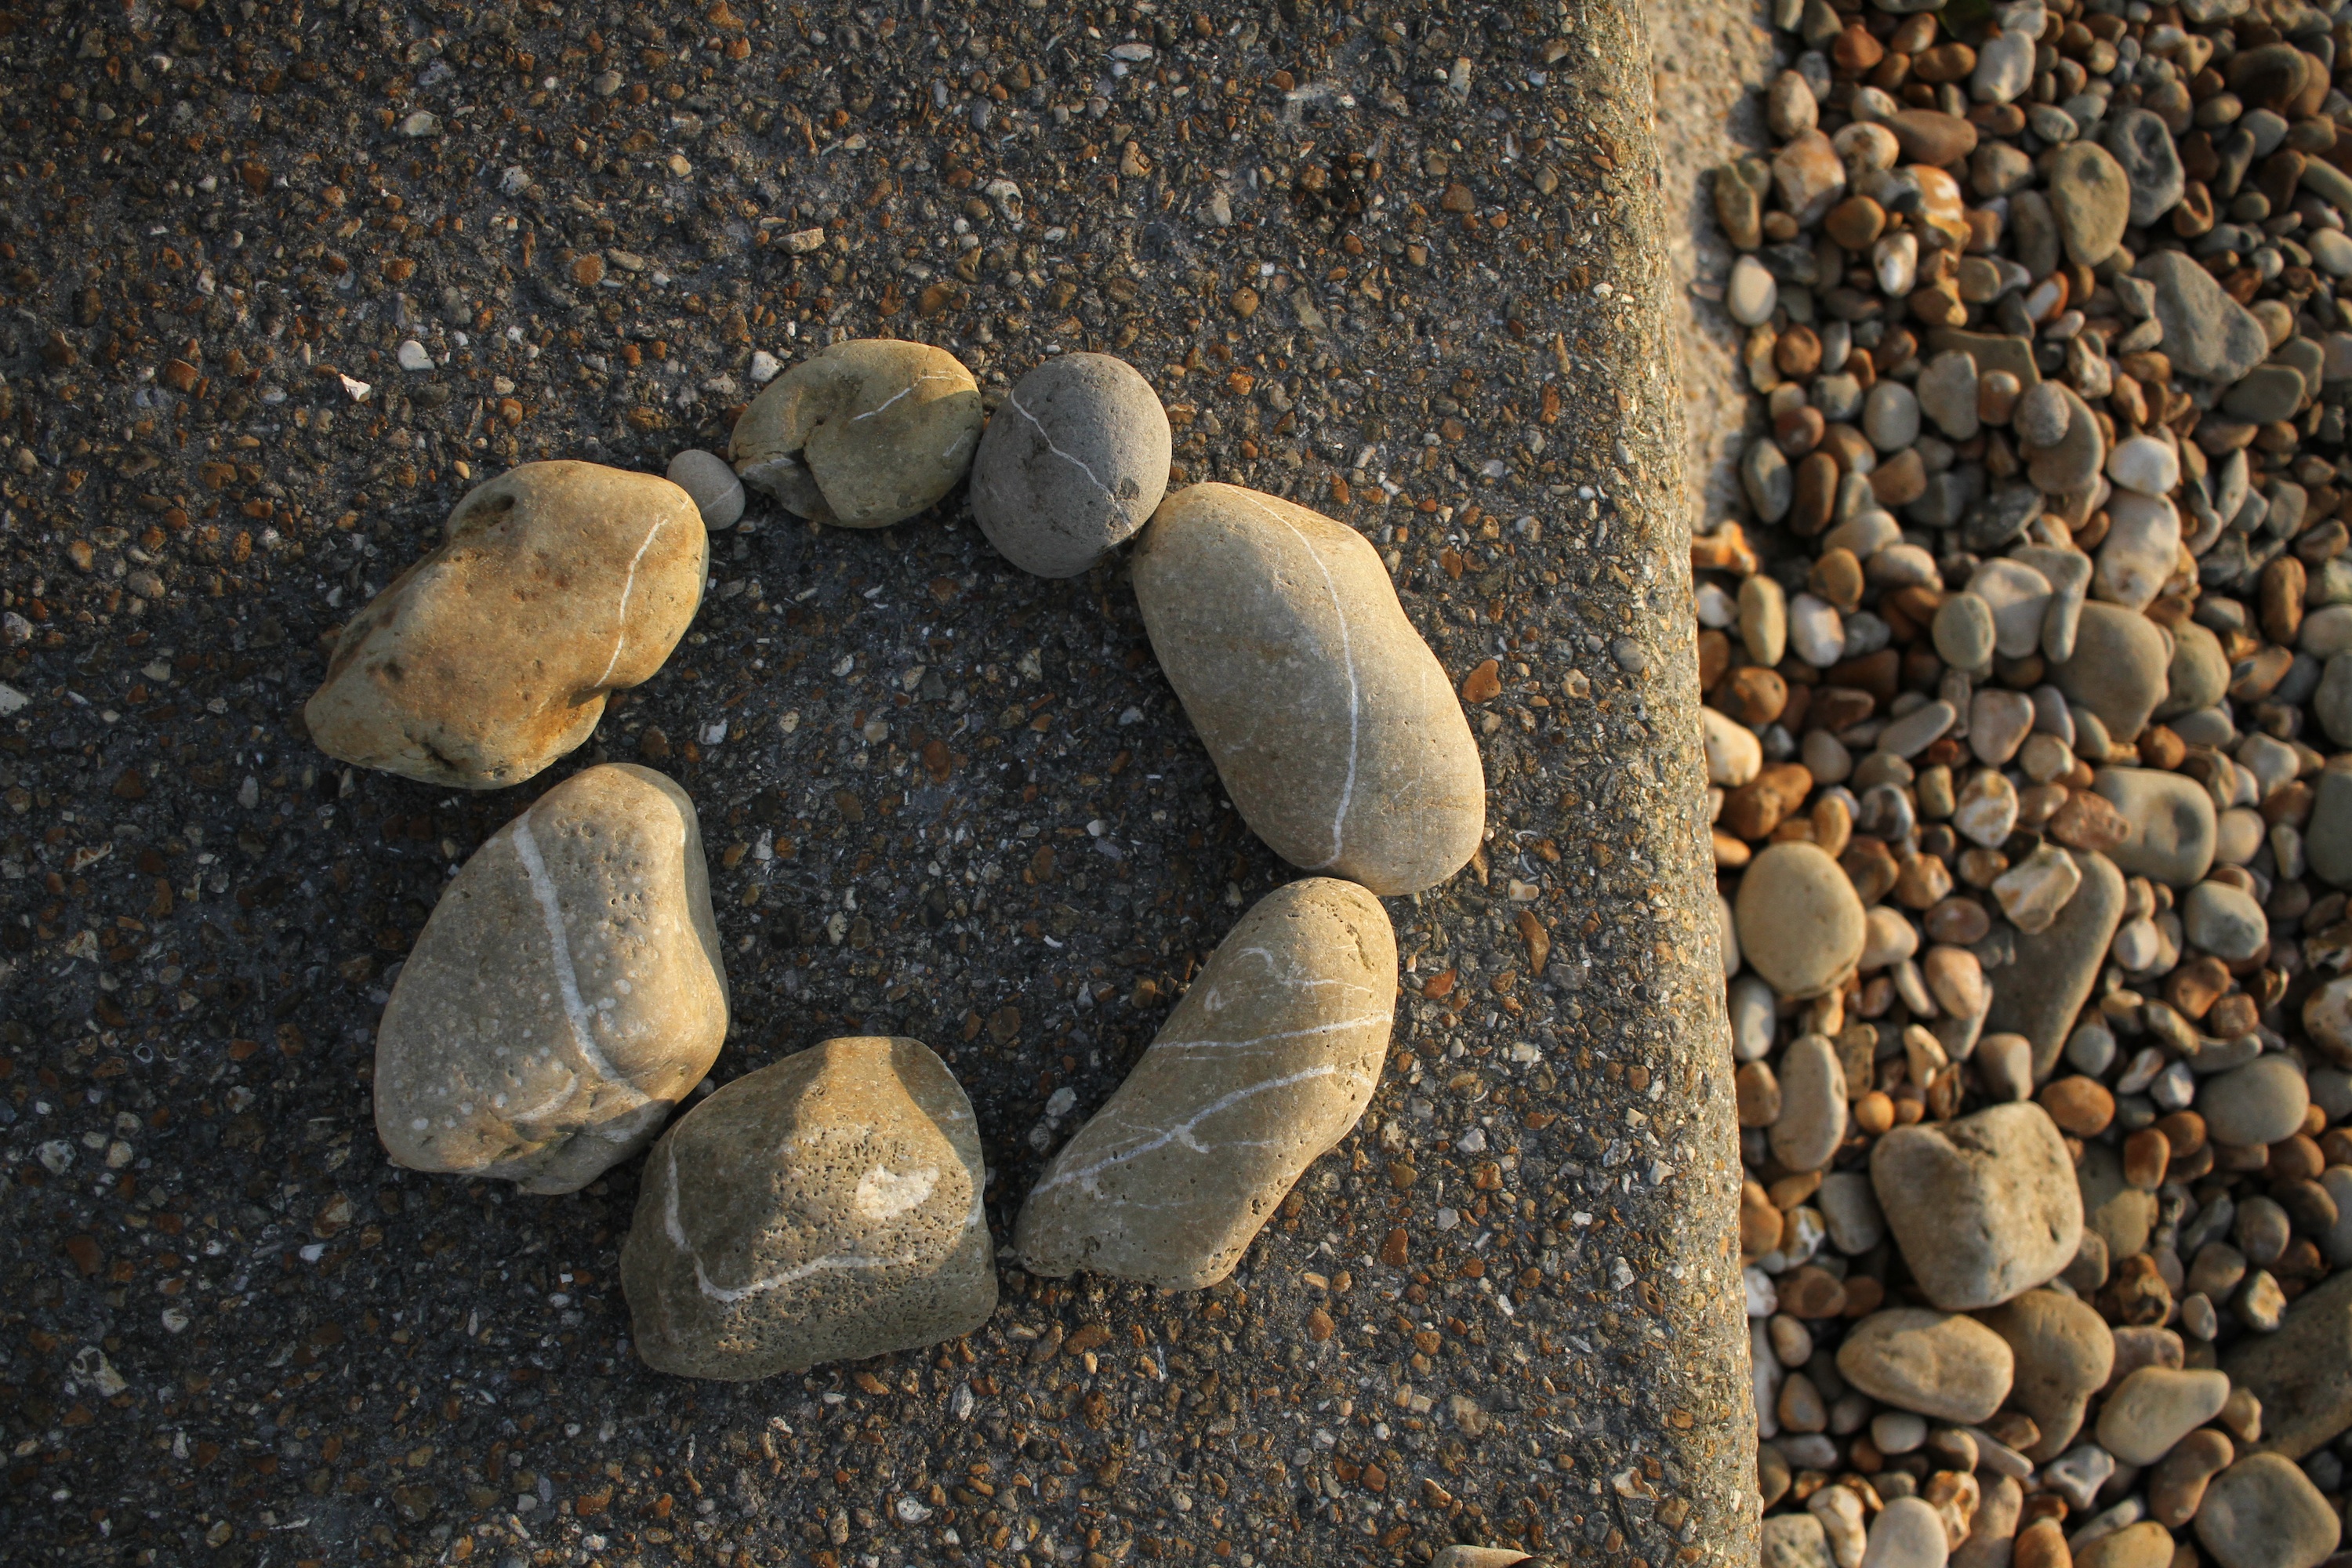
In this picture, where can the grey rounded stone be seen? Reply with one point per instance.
(2328, 837)
(566, 993)
(1908, 1533)
(1074, 460)
(2224, 920)
(2091, 196)
(1812, 1120)
(1964, 632)
(2142, 147)
(826, 1207)
(1800, 922)
(2155, 1407)
(2266, 393)
(1940, 1364)
(1984, 1207)
(1770, 483)
(2264, 1512)
(2333, 700)
(2261, 1102)
(1263, 1068)
(2172, 821)
(862, 434)
(2199, 674)
(2118, 670)
(718, 493)
(1946, 390)
(1890, 416)
(1332, 725)
(2207, 335)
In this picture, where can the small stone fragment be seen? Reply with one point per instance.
(718, 493)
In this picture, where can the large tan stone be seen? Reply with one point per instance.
(492, 657)
(1802, 925)
(1937, 1363)
(824, 1208)
(1984, 1207)
(1333, 726)
(566, 993)
(2063, 1351)
(1263, 1068)
(863, 434)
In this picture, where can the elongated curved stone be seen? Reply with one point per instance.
(1261, 1069)
(863, 434)
(826, 1207)
(492, 657)
(566, 993)
(1331, 723)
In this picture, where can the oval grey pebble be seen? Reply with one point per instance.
(706, 475)
(1074, 460)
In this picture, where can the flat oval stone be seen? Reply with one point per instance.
(491, 657)
(1940, 1364)
(862, 434)
(2261, 1102)
(1908, 1533)
(2172, 823)
(1263, 1068)
(1331, 723)
(2156, 1408)
(1801, 921)
(2265, 1512)
(1813, 1119)
(826, 1207)
(566, 993)
(718, 493)
(2064, 1352)
(1074, 460)
(2118, 667)
(1984, 1207)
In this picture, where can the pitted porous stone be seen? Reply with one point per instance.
(492, 657)
(1074, 460)
(1260, 1071)
(863, 434)
(1332, 724)
(566, 993)
(824, 1208)
(1984, 1207)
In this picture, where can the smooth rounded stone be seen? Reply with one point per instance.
(2155, 1407)
(862, 434)
(2327, 1019)
(718, 493)
(2176, 1485)
(567, 990)
(2071, 463)
(1992, 1532)
(2264, 1512)
(1812, 1120)
(2144, 464)
(1946, 390)
(1817, 631)
(826, 1207)
(2042, 415)
(2091, 197)
(2039, 992)
(1965, 632)
(2142, 148)
(2208, 336)
(1801, 921)
(1811, 176)
(2199, 674)
(2068, 573)
(1984, 1207)
(1073, 462)
(2336, 1242)
(2020, 597)
(1264, 1067)
(2332, 701)
(1851, 1210)
(1764, 619)
(1477, 1556)
(2144, 1544)
(1890, 416)
(2141, 551)
(1985, 811)
(1751, 294)
(2037, 890)
(2004, 69)
(2004, 1066)
(1864, 534)
(1734, 755)
(2227, 922)
(1888, 937)
(1332, 725)
(1770, 483)
(1794, 1541)
(1999, 721)
(1916, 731)
(2328, 837)
(2063, 1355)
(2325, 632)
(2238, 834)
(2261, 1102)
(1825, 757)
(1908, 1533)
(1938, 1365)
(1750, 1005)
(2266, 393)
(2172, 823)
(2302, 1372)
(492, 656)
(2117, 1211)
(1726, 936)
(2331, 250)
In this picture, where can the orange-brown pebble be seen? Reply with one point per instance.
(2146, 1153)
(2080, 1105)
(1874, 1113)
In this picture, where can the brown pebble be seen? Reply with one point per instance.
(2176, 1485)
(1923, 881)
(1900, 479)
(1797, 354)
(1855, 223)
(1714, 658)
(2194, 988)
(1959, 921)
(2233, 1016)
(2161, 748)
(2089, 821)
(2296, 1158)
(1755, 696)
(1757, 1094)
(1855, 50)
(1997, 395)
(2078, 1104)
(1759, 1222)
(2147, 1154)
(1837, 579)
(1799, 430)
(2282, 591)
(2042, 1543)
(1943, 63)
(1811, 1292)
(1875, 1113)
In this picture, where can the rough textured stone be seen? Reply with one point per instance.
(2206, 334)
(492, 657)
(2264, 1512)
(1795, 1540)
(2092, 198)
(1800, 923)
(567, 991)
(1264, 1065)
(826, 1207)
(1074, 460)
(1938, 1363)
(1331, 723)
(2038, 993)
(862, 434)
(1984, 1207)
(2114, 1210)
(2303, 1373)
(2063, 1353)
(2142, 147)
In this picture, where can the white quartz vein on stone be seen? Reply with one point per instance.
(567, 978)
(1092, 477)
(1367, 1021)
(628, 587)
(902, 392)
(1346, 662)
(675, 1228)
(1183, 1131)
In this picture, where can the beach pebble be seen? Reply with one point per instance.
(1800, 922)
(718, 493)
(2172, 823)
(862, 434)
(2264, 1512)
(1938, 1365)
(1332, 725)
(826, 1207)
(2260, 1102)
(2155, 1407)
(2063, 1353)
(2117, 671)
(1074, 460)
(1812, 1118)
(1984, 1207)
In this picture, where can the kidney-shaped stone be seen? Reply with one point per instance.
(863, 434)
(1331, 723)
(492, 657)
(567, 990)
(1261, 1069)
